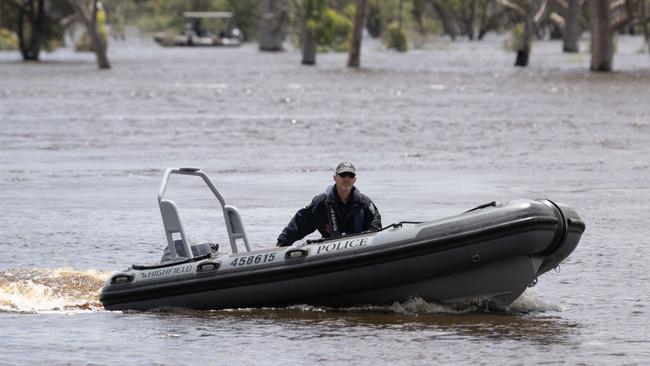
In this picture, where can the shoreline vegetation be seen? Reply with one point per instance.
(316, 26)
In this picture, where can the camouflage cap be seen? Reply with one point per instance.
(345, 166)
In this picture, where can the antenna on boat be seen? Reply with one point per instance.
(174, 227)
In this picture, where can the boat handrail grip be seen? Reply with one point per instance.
(186, 171)
(235, 227)
(231, 214)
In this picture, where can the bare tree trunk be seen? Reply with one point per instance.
(399, 18)
(37, 18)
(30, 47)
(523, 53)
(470, 20)
(646, 31)
(447, 23)
(490, 22)
(308, 46)
(602, 36)
(21, 33)
(354, 54)
(90, 21)
(483, 20)
(572, 26)
(271, 30)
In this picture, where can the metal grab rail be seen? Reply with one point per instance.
(172, 223)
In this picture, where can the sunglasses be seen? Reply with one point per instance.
(347, 175)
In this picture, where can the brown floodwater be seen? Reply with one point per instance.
(433, 132)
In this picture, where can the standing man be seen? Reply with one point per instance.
(341, 210)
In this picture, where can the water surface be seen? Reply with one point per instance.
(433, 132)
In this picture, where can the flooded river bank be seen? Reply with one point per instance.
(433, 132)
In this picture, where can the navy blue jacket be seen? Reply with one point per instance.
(358, 215)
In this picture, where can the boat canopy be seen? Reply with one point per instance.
(207, 14)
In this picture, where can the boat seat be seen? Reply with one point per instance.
(177, 243)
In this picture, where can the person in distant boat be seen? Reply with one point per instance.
(189, 33)
(340, 210)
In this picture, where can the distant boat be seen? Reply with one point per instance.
(203, 28)
(493, 252)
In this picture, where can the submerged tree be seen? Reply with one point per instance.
(374, 23)
(321, 26)
(88, 16)
(245, 15)
(606, 18)
(646, 20)
(354, 53)
(273, 18)
(36, 23)
(532, 12)
(312, 11)
(445, 14)
(492, 17)
(572, 27)
(473, 18)
(39, 24)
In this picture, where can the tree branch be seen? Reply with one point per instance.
(641, 21)
(563, 4)
(491, 22)
(15, 3)
(541, 12)
(615, 4)
(557, 19)
(512, 6)
(627, 19)
(65, 20)
(94, 12)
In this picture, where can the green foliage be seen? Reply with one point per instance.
(349, 10)
(396, 38)
(167, 15)
(50, 29)
(8, 40)
(53, 38)
(159, 23)
(331, 31)
(119, 13)
(246, 16)
(416, 17)
(374, 22)
(85, 43)
(515, 42)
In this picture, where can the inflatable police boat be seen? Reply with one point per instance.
(493, 252)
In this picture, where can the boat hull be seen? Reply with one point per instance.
(491, 254)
